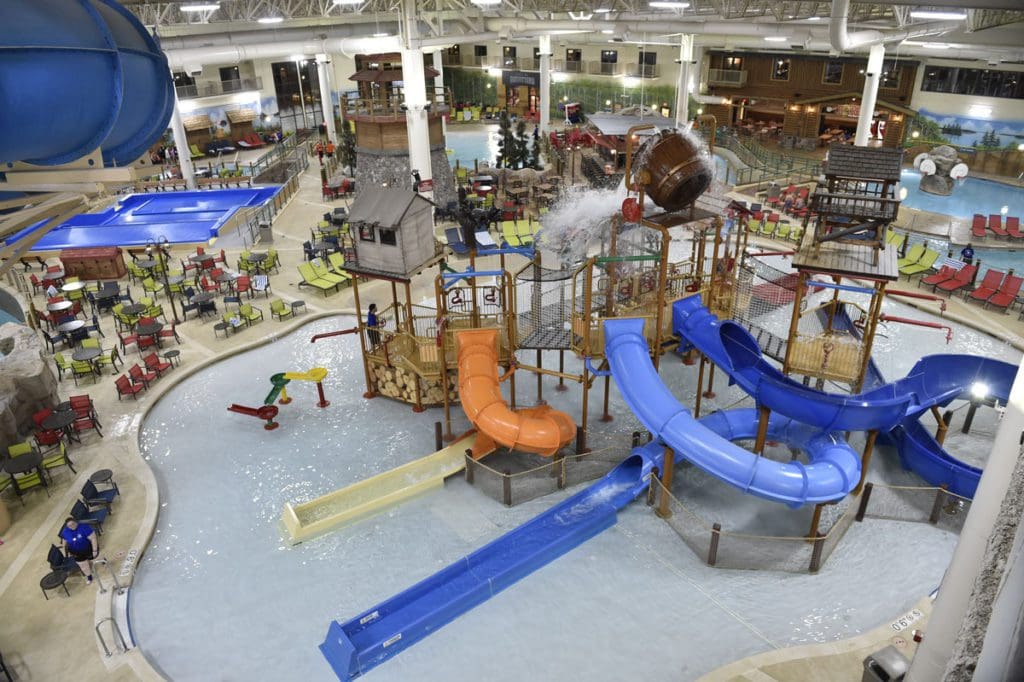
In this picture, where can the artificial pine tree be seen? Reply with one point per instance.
(506, 141)
(522, 150)
(348, 145)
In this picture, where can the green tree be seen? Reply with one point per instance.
(534, 162)
(521, 145)
(348, 145)
(506, 142)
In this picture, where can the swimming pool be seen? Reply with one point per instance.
(218, 558)
(973, 196)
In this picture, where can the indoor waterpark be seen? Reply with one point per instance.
(342, 341)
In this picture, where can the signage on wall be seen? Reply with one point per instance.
(427, 186)
(513, 79)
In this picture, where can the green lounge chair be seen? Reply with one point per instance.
(913, 255)
(280, 309)
(321, 271)
(509, 233)
(250, 313)
(309, 277)
(923, 265)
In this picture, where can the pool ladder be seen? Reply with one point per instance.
(113, 576)
(118, 641)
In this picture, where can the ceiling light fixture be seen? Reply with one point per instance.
(602, 10)
(776, 39)
(813, 18)
(270, 20)
(660, 4)
(607, 31)
(207, 7)
(936, 14)
(486, 3)
(381, 34)
(348, 2)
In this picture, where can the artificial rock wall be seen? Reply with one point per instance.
(391, 167)
(27, 383)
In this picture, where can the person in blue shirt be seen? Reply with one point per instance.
(967, 254)
(80, 543)
(372, 322)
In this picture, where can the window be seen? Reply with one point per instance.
(833, 72)
(230, 80)
(454, 55)
(388, 237)
(479, 50)
(733, 63)
(573, 55)
(181, 78)
(608, 60)
(508, 55)
(780, 70)
(890, 76)
(366, 232)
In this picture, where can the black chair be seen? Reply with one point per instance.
(307, 251)
(53, 340)
(95, 327)
(208, 307)
(94, 517)
(59, 562)
(187, 308)
(237, 300)
(455, 242)
(126, 296)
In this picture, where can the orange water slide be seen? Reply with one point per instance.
(541, 429)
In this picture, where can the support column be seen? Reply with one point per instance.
(300, 68)
(683, 82)
(969, 556)
(326, 97)
(438, 58)
(416, 101)
(872, 76)
(188, 173)
(545, 84)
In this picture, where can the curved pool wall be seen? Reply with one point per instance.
(138, 219)
(217, 557)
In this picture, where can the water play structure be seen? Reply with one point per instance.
(279, 393)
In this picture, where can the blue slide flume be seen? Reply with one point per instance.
(834, 468)
(370, 638)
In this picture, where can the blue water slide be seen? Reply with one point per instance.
(77, 75)
(934, 380)
(833, 470)
(367, 640)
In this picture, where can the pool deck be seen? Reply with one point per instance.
(55, 639)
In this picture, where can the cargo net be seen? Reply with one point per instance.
(543, 307)
(764, 297)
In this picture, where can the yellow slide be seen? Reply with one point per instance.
(541, 429)
(315, 374)
(327, 512)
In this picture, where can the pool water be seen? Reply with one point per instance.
(218, 578)
(479, 143)
(973, 196)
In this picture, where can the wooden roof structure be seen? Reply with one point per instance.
(863, 163)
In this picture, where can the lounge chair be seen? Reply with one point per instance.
(279, 309)
(1013, 227)
(923, 265)
(1007, 293)
(310, 278)
(782, 232)
(321, 271)
(509, 233)
(250, 313)
(995, 223)
(988, 287)
(961, 279)
(194, 152)
(978, 227)
(524, 230)
(944, 273)
(913, 255)
(770, 225)
(455, 242)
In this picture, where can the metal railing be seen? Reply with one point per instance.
(119, 641)
(214, 88)
(393, 105)
(734, 78)
(113, 576)
(763, 164)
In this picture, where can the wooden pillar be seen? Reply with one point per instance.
(443, 353)
(865, 460)
(943, 428)
(394, 305)
(700, 384)
(815, 521)
(540, 377)
(710, 393)
(763, 413)
(666, 482)
(869, 333)
(362, 339)
(794, 322)
(561, 370)
(605, 417)
(409, 326)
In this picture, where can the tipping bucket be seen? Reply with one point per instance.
(77, 75)
(679, 169)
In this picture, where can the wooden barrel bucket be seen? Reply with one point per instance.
(679, 170)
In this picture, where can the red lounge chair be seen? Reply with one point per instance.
(1007, 293)
(989, 286)
(995, 223)
(126, 387)
(944, 273)
(978, 226)
(154, 364)
(959, 280)
(254, 140)
(1013, 227)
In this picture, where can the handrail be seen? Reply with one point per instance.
(117, 631)
(99, 579)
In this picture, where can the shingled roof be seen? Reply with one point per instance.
(868, 163)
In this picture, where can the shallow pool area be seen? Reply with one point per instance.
(973, 195)
(220, 590)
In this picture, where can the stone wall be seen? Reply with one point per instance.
(377, 167)
(27, 382)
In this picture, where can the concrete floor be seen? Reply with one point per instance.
(55, 639)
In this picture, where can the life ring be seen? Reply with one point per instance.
(631, 210)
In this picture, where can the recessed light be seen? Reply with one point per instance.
(660, 4)
(381, 34)
(485, 3)
(607, 31)
(270, 20)
(602, 10)
(813, 18)
(776, 39)
(935, 14)
(207, 7)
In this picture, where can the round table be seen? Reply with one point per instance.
(201, 257)
(296, 305)
(86, 354)
(134, 309)
(173, 356)
(202, 297)
(52, 276)
(58, 421)
(151, 329)
(225, 278)
(175, 279)
(68, 327)
(59, 306)
(26, 462)
(73, 286)
(53, 580)
(146, 263)
(102, 476)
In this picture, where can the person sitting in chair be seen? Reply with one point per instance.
(80, 543)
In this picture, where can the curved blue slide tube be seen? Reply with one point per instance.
(77, 75)
(370, 638)
(833, 471)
